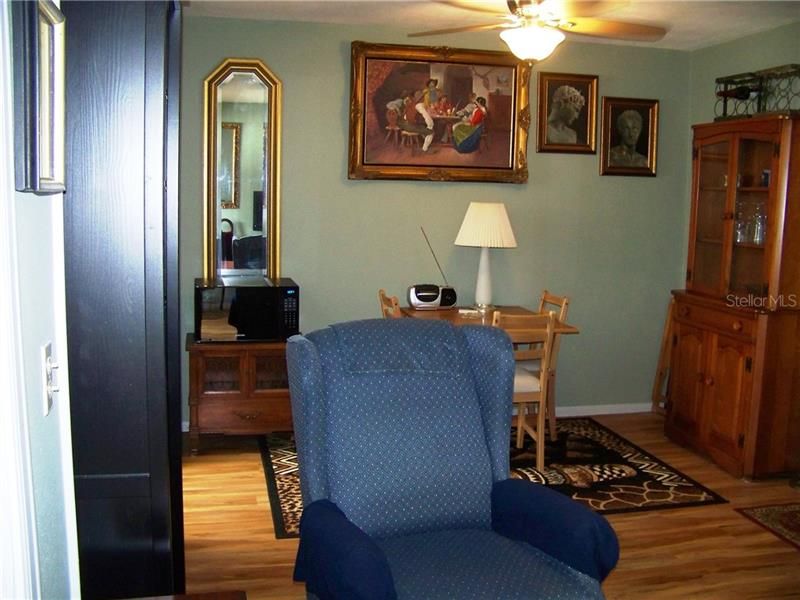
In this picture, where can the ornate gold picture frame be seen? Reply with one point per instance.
(439, 114)
(229, 165)
(567, 113)
(629, 137)
(39, 96)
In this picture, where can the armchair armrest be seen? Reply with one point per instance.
(557, 525)
(336, 559)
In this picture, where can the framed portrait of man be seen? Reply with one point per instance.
(629, 137)
(567, 111)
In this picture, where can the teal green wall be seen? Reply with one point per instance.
(40, 306)
(760, 51)
(615, 245)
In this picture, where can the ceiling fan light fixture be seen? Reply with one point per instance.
(532, 42)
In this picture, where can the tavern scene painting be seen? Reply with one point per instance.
(438, 114)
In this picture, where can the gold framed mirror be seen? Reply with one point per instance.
(241, 153)
(229, 165)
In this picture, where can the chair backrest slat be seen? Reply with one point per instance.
(390, 307)
(532, 335)
(550, 301)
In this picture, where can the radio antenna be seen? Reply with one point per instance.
(425, 235)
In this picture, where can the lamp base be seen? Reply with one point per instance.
(484, 308)
(483, 286)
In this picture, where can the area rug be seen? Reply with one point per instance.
(782, 520)
(588, 462)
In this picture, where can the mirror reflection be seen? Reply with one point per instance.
(242, 112)
(228, 166)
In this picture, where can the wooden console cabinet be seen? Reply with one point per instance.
(734, 391)
(237, 388)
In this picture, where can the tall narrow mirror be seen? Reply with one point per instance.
(242, 170)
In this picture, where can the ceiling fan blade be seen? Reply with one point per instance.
(613, 29)
(552, 8)
(561, 9)
(497, 8)
(460, 29)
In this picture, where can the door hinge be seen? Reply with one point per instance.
(748, 364)
(695, 153)
(674, 340)
(776, 149)
(688, 274)
(740, 441)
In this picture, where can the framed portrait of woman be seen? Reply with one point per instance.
(629, 137)
(567, 108)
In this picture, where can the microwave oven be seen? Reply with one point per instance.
(246, 308)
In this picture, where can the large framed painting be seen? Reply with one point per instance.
(441, 114)
(567, 110)
(630, 137)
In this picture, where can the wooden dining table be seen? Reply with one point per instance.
(469, 316)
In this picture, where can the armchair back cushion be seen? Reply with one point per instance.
(409, 442)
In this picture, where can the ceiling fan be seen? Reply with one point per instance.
(533, 28)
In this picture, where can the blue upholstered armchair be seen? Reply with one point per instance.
(402, 430)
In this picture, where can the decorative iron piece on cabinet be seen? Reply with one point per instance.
(746, 94)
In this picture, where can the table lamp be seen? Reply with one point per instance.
(485, 226)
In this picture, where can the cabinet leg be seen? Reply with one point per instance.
(194, 443)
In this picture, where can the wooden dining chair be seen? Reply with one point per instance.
(532, 336)
(390, 307)
(392, 128)
(549, 301)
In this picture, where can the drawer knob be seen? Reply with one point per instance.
(737, 325)
(709, 381)
(246, 416)
(684, 311)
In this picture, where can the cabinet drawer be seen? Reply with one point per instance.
(245, 415)
(721, 321)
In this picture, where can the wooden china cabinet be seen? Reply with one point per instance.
(735, 381)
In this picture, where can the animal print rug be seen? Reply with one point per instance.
(782, 520)
(588, 462)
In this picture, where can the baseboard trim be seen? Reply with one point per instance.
(569, 411)
(602, 409)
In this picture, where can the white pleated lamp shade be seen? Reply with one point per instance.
(486, 225)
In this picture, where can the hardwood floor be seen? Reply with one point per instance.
(709, 552)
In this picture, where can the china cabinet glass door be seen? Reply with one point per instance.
(713, 167)
(750, 225)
